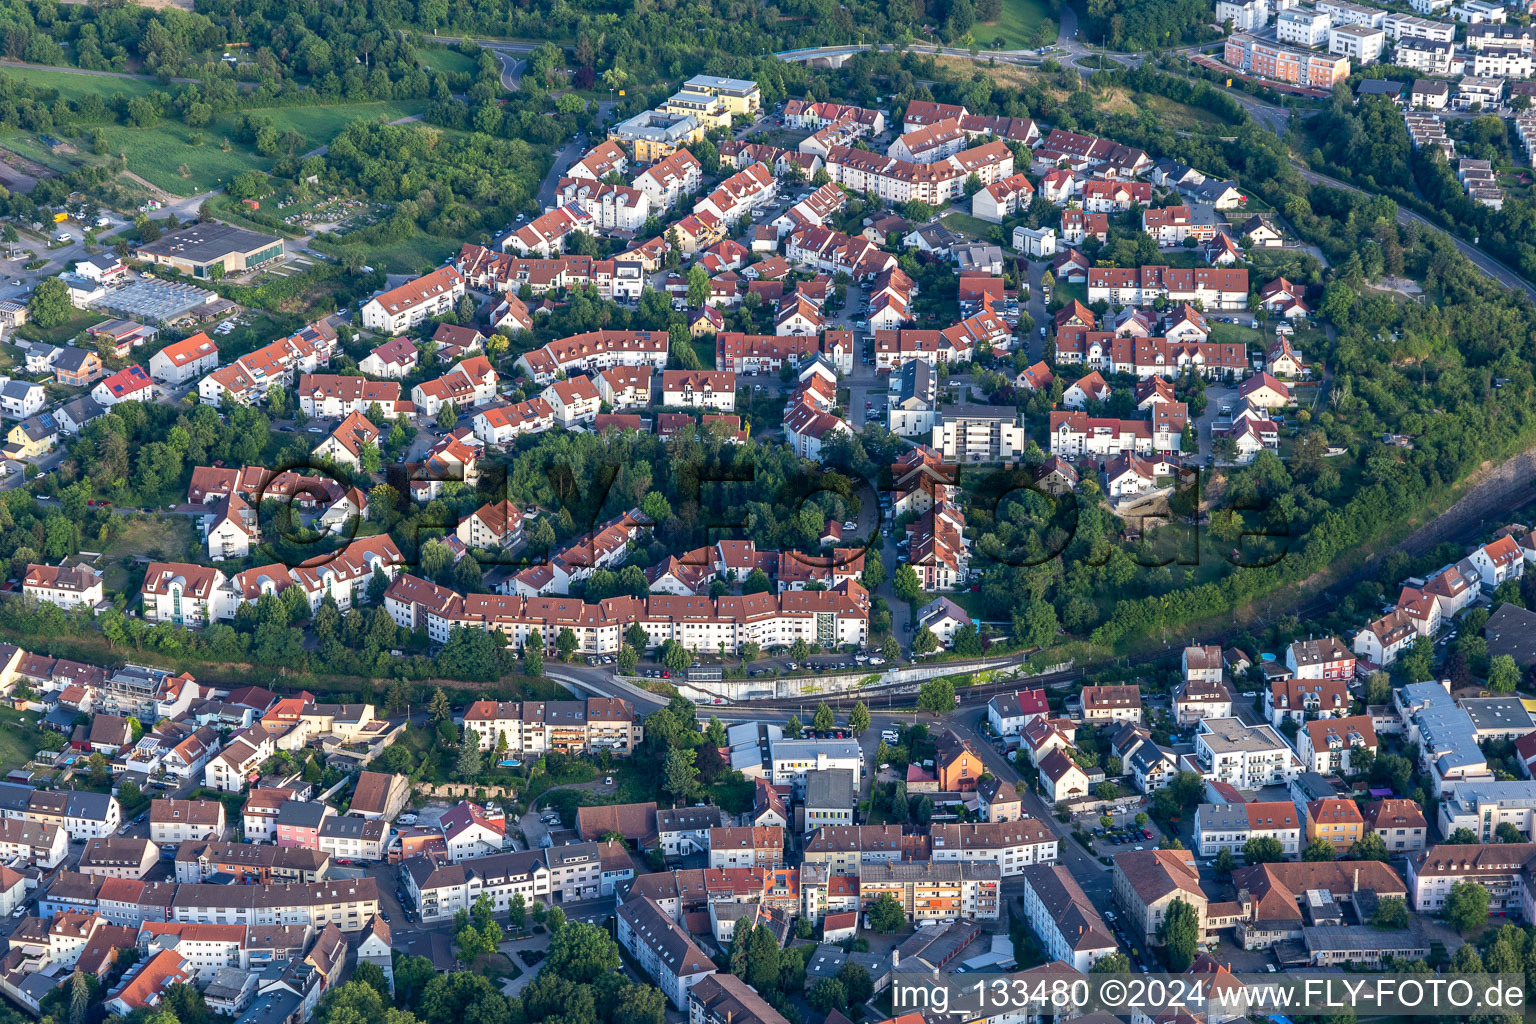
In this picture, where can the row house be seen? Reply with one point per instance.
(1109, 196)
(1230, 827)
(547, 234)
(248, 379)
(751, 846)
(742, 193)
(347, 903)
(935, 892)
(900, 181)
(1215, 288)
(595, 351)
(619, 279)
(180, 361)
(603, 159)
(837, 616)
(1067, 923)
(1298, 699)
(1075, 434)
(503, 424)
(811, 212)
(64, 586)
(595, 724)
(699, 389)
(1083, 152)
(929, 143)
(834, 252)
(668, 180)
(330, 396)
(803, 114)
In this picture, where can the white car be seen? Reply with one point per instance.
(850, 525)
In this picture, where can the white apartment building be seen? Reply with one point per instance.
(789, 760)
(1302, 27)
(1245, 15)
(1343, 12)
(1012, 845)
(1243, 756)
(1361, 43)
(402, 308)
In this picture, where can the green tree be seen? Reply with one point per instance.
(823, 720)
(827, 995)
(1263, 850)
(1180, 935)
(1368, 847)
(1391, 914)
(581, 953)
(679, 772)
(447, 416)
(886, 915)
(1507, 832)
(1466, 905)
(1503, 674)
(1462, 837)
(937, 696)
(49, 305)
(628, 660)
(698, 286)
(858, 983)
(907, 584)
(1115, 963)
(470, 763)
(858, 719)
(438, 708)
(924, 641)
(565, 643)
(1319, 849)
(1224, 864)
(517, 912)
(793, 728)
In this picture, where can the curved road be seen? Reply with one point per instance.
(1480, 259)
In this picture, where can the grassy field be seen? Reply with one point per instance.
(72, 85)
(163, 537)
(1017, 27)
(1234, 334)
(414, 255)
(185, 161)
(972, 227)
(440, 58)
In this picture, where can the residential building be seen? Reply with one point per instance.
(1059, 913)
(1230, 826)
(1147, 882)
(1247, 757)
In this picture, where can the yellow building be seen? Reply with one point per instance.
(710, 111)
(1338, 821)
(655, 134)
(33, 436)
(739, 95)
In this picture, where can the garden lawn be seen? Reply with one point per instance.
(19, 738)
(58, 335)
(412, 256)
(1017, 26)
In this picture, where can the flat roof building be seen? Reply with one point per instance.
(198, 249)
